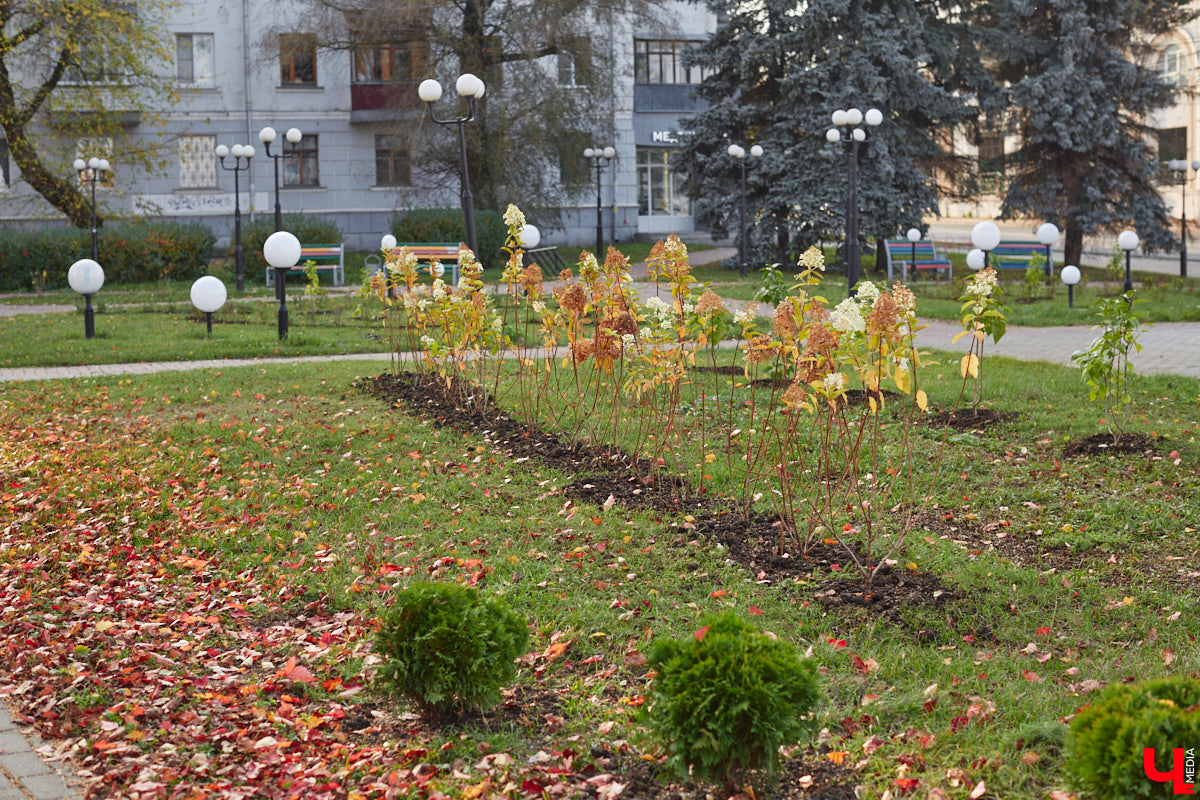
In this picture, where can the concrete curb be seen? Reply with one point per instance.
(24, 773)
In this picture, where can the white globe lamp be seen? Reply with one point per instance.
(208, 295)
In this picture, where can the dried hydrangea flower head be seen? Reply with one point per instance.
(531, 280)
(784, 321)
(709, 303)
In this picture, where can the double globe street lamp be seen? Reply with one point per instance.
(267, 136)
(471, 88)
(242, 153)
(93, 171)
(1180, 167)
(851, 119)
(739, 152)
(599, 158)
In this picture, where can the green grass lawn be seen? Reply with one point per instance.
(174, 524)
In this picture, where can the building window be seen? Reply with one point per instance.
(297, 59)
(399, 62)
(197, 162)
(990, 154)
(1173, 66)
(392, 167)
(1172, 145)
(662, 61)
(300, 166)
(660, 184)
(574, 63)
(194, 60)
(97, 147)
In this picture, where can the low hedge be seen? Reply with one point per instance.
(131, 252)
(446, 225)
(309, 230)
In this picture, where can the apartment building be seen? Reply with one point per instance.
(241, 65)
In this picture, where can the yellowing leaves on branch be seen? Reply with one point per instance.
(72, 71)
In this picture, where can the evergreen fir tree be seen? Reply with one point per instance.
(778, 69)
(1072, 79)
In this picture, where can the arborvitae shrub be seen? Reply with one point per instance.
(726, 702)
(446, 225)
(1107, 738)
(446, 647)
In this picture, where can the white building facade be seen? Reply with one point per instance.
(241, 65)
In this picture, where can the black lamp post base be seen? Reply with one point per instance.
(89, 318)
(280, 277)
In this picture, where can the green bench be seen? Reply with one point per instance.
(918, 256)
(1015, 255)
(326, 257)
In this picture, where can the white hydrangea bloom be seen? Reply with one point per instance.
(427, 342)
(656, 305)
(902, 364)
(743, 317)
(439, 289)
(982, 283)
(847, 317)
(835, 381)
(539, 307)
(867, 292)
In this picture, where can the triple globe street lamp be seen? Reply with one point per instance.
(267, 136)
(242, 153)
(852, 138)
(93, 171)
(470, 88)
(739, 152)
(599, 158)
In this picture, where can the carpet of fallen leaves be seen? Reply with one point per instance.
(149, 660)
(189, 588)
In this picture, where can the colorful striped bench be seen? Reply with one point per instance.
(327, 257)
(1015, 255)
(921, 255)
(435, 251)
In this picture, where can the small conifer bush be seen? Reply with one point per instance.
(446, 647)
(727, 698)
(1108, 738)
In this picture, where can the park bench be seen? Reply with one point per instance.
(326, 257)
(921, 255)
(1015, 255)
(428, 252)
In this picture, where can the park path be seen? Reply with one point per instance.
(1170, 347)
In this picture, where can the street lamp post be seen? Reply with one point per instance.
(1180, 168)
(986, 236)
(93, 171)
(739, 152)
(242, 153)
(1128, 241)
(208, 295)
(599, 158)
(471, 88)
(913, 236)
(282, 252)
(86, 277)
(1047, 234)
(267, 137)
(1070, 276)
(854, 136)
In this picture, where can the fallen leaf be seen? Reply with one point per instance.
(978, 791)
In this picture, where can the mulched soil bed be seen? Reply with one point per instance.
(755, 544)
(969, 419)
(604, 475)
(1105, 444)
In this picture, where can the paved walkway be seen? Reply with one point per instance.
(24, 775)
